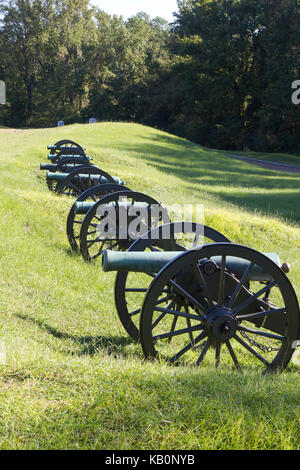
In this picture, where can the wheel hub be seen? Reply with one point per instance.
(221, 324)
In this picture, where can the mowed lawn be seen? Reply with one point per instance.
(71, 378)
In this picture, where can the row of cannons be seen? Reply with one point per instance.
(183, 290)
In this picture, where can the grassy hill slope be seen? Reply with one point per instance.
(72, 378)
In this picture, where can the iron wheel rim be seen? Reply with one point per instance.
(150, 342)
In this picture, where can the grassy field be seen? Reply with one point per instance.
(72, 378)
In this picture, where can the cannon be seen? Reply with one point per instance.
(88, 198)
(65, 165)
(61, 156)
(69, 147)
(66, 148)
(116, 220)
(219, 303)
(131, 287)
(79, 180)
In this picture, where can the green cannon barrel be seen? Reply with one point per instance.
(53, 147)
(95, 178)
(83, 207)
(48, 166)
(53, 166)
(84, 158)
(153, 262)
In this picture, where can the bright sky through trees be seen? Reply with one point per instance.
(127, 8)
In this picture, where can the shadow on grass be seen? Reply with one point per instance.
(88, 345)
(209, 170)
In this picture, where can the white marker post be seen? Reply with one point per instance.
(296, 94)
(2, 92)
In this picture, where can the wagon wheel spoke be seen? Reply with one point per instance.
(218, 352)
(251, 299)
(178, 313)
(256, 315)
(205, 287)
(252, 351)
(261, 333)
(92, 242)
(203, 353)
(221, 293)
(135, 289)
(171, 332)
(233, 356)
(81, 184)
(174, 332)
(99, 252)
(188, 347)
(162, 315)
(113, 245)
(72, 186)
(240, 285)
(195, 242)
(189, 324)
(136, 312)
(182, 291)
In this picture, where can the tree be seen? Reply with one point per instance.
(232, 86)
(22, 35)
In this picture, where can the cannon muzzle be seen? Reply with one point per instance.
(48, 166)
(153, 262)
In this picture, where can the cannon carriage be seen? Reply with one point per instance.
(66, 147)
(79, 180)
(116, 220)
(71, 172)
(130, 287)
(81, 207)
(65, 165)
(218, 303)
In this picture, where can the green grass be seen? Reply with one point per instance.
(72, 378)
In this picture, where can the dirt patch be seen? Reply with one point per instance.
(281, 167)
(3, 130)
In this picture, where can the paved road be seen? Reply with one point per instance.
(283, 167)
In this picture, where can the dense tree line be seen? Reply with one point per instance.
(220, 75)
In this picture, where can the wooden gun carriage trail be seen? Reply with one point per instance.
(186, 292)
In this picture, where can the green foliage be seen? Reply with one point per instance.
(66, 60)
(221, 75)
(235, 64)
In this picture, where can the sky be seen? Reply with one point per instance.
(127, 8)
